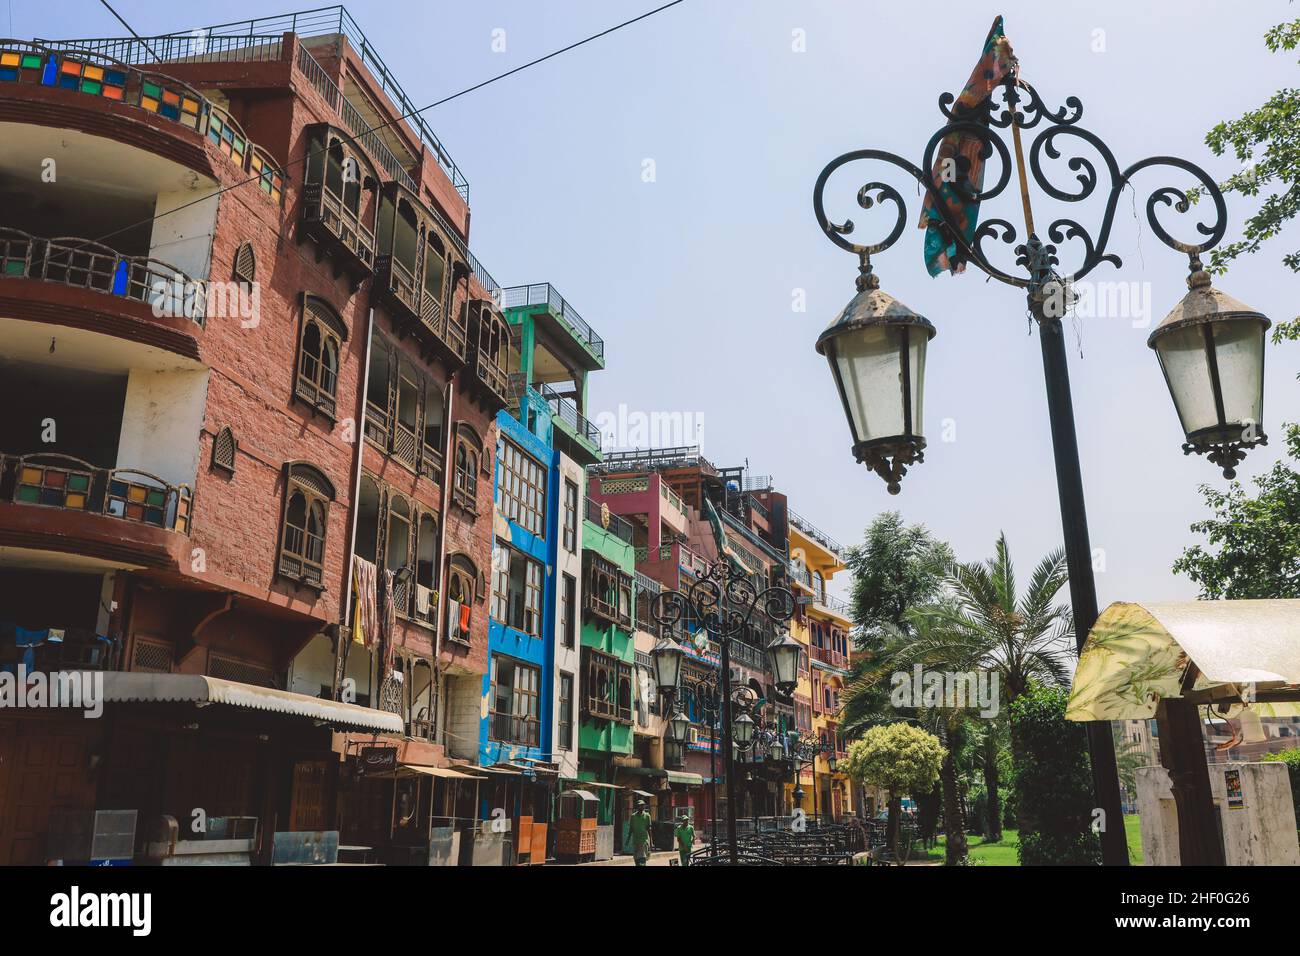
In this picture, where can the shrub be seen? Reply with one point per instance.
(1053, 785)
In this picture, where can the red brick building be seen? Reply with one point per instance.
(242, 340)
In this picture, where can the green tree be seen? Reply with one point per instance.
(988, 625)
(898, 758)
(1266, 141)
(1053, 783)
(896, 568)
(1257, 537)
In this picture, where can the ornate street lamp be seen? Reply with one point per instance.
(724, 602)
(832, 761)
(876, 350)
(777, 750)
(783, 657)
(667, 660)
(1211, 349)
(742, 731)
(679, 726)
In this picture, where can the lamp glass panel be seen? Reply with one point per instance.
(1187, 371)
(867, 362)
(1239, 348)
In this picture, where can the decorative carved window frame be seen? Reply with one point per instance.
(225, 449)
(308, 388)
(295, 563)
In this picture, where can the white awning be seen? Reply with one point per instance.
(444, 772)
(586, 795)
(1137, 654)
(133, 687)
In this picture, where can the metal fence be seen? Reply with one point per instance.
(543, 293)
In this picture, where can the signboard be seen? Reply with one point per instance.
(1236, 800)
(377, 760)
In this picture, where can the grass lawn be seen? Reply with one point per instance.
(1004, 853)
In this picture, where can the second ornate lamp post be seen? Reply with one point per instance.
(725, 602)
(1211, 347)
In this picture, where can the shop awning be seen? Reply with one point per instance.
(601, 786)
(641, 793)
(133, 687)
(1137, 654)
(445, 773)
(497, 768)
(684, 778)
(645, 771)
(585, 795)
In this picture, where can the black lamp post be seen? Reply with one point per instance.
(1210, 347)
(725, 601)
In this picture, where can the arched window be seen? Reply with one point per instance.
(367, 545)
(245, 269)
(468, 449)
(426, 568)
(308, 493)
(462, 593)
(224, 448)
(319, 348)
(435, 272)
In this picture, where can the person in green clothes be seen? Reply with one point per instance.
(639, 826)
(685, 834)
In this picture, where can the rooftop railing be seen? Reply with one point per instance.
(652, 459)
(812, 531)
(243, 39)
(543, 293)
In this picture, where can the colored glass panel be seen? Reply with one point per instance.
(78, 482)
(114, 92)
(115, 77)
(92, 72)
(31, 476)
(149, 103)
(28, 494)
(90, 86)
(31, 61)
(152, 90)
(136, 493)
(9, 59)
(156, 498)
(8, 75)
(71, 67)
(76, 501)
(55, 479)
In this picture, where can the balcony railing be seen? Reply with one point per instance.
(616, 526)
(543, 293)
(653, 459)
(834, 604)
(567, 411)
(828, 656)
(84, 264)
(812, 531)
(71, 65)
(70, 484)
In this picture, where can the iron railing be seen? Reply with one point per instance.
(617, 526)
(85, 264)
(66, 66)
(567, 411)
(236, 37)
(652, 459)
(812, 531)
(543, 293)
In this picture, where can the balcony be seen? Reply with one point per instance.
(106, 516)
(84, 264)
(86, 69)
(565, 414)
(340, 202)
(601, 516)
(826, 655)
(562, 320)
(816, 534)
(416, 272)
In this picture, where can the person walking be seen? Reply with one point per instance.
(685, 834)
(639, 827)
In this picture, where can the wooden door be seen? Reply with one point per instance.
(307, 806)
(42, 768)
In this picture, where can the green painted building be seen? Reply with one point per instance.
(605, 733)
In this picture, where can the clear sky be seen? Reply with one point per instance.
(692, 278)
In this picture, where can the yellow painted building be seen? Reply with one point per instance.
(821, 624)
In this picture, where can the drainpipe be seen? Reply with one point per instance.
(341, 653)
(444, 566)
